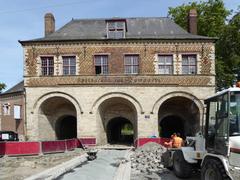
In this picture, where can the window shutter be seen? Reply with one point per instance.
(17, 112)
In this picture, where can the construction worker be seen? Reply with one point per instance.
(170, 143)
(177, 141)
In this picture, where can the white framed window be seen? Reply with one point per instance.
(6, 109)
(165, 64)
(101, 64)
(17, 112)
(47, 66)
(115, 29)
(69, 65)
(189, 64)
(131, 64)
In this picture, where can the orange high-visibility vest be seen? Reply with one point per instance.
(177, 142)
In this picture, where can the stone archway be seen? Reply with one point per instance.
(55, 114)
(114, 112)
(178, 115)
(171, 124)
(66, 127)
(120, 131)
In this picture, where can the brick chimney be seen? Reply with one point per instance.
(49, 23)
(192, 21)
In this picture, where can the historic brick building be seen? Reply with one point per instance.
(93, 76)
(12, 110)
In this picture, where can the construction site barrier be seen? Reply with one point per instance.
(53, 146)
(20, 148)
(88, 141)
(13, 148)
(71, 144)
(141, 141)
(2, 148)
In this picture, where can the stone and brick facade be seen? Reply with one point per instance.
(13, 101)
(151, 100)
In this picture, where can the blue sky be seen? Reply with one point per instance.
(23, 20)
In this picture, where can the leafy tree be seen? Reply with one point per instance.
(227, 51)
(212, 22)
(2, 86)
(212, 16)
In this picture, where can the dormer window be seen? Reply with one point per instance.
(116, 29)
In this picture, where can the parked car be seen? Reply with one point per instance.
(8, 136)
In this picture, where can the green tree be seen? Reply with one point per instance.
(212, 22)
(2, 86)
(212, 16)
(229, 46)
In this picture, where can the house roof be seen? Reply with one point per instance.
(15, 89)
(137, 28)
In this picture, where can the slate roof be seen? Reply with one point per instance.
(137, 28)
(15, 89)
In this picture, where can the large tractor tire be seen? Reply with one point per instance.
(213, 169)
(181, 167)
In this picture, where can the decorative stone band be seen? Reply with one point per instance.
(187, 80)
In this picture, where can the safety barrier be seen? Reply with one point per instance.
(88, 141)
(141, 141)
(71, 144)
(11, 148)
(53, 146)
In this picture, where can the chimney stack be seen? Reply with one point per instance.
(49, 23)
(192, 21)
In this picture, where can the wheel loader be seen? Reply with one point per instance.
(216, 150)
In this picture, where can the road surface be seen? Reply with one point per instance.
(102, 168)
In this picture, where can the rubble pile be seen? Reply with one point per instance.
(147, 159)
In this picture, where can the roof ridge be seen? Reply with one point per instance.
(138, 28)
(107, 18)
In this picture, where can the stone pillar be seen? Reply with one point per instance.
(49, 23)
(147, 125)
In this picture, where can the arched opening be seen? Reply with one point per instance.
(117, 121)
(66, 128)
(170, 125)
(178, 115)
(57, 119)
(120, 131)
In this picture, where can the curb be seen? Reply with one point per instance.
(60, 169)
(124, 170)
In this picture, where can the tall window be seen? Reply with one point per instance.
(131, 64)
(101, 64)
(47, 66)
(17, 111)
(189, 64)
(165, 64)
(116, 29)
(69, 65)
(6, 109)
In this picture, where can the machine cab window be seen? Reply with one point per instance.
(222, 121)
(217, 123)
(234, 114)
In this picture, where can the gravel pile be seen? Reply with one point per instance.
(147, 160)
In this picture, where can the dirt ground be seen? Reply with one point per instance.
(17, 168)
(163, 175)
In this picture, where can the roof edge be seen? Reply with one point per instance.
(211, 39)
